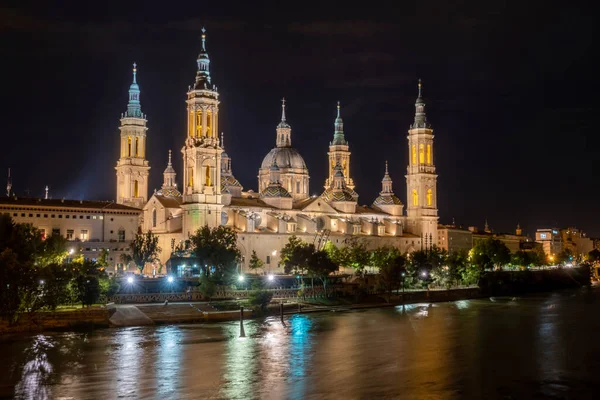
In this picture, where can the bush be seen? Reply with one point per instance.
(208, 287)
(260, 299)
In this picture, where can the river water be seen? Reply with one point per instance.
(541, 346)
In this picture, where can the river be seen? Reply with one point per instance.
(539, 346)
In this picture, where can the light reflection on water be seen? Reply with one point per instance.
(536, 346)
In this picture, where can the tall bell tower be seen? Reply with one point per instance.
(132, 167)
(339, 152)
(421, 179)
(201, 152)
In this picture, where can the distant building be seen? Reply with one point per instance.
(576, 241)
(512, 241)
(550, 239)
(451, 238)
(89, 226)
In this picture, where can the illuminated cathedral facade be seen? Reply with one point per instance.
(281, 206)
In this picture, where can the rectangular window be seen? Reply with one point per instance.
(94, 217)
(67, 216)
(30, 215)
(59, 215)
(37, 215)
(121, 236)
(45, 215)
(74, 216)
(43, 233)
(52, 216)
(55, 231)
(70, 234)
(84, 234)
(15, 214)
(22, 214)
(81, 217)
(87, 217)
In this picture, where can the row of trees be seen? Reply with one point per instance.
(35, 275)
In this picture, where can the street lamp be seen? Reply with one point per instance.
(130, 280)
(170, 279)
(270, 277)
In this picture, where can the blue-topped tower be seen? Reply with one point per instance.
(339, 152)
(132, 167)
(202, 199)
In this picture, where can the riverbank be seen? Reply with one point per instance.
(120, 315)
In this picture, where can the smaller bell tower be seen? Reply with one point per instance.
(132, 167)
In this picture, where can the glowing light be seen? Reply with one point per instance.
(170, 279)
(71, 251)
(270, 277)
(130, 280)
(274, 253)
(41, 281)
(424, 274)
(241, 278)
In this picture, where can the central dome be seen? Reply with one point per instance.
(285, 157)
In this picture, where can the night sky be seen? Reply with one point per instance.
(510, 90)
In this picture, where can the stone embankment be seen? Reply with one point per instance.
(94, 317)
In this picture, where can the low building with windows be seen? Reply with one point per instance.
(452, 238)
(89, 226)
(550, 239)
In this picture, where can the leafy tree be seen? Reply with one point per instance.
(255, 262)
(538, 257)
(86, 284)
(295, 256)
(54, 281)
(521, 259)
(24, 240)
(356, 255)
(489, 254)
(594, 256)
(109, 286)
(144, 249)
(16, 280)
(216, 250)
(103, 259)
(54, 251)
(391, 265)
(260, 299)
(565, 256)
(321, 266)
(457, 262)
(208, 288)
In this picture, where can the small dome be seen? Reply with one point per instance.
(387, 200)
(338, 195)
(285, 157)
(274, 191)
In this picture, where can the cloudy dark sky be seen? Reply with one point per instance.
(510, 87)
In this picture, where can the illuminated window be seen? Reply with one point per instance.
(208, 183)
(84, 234)
(415, 196)
(121, 235)
(154, 218)
(414, 154)
(199, 124)
(137, 147)
(208, 124)
(429, 154)
(129, 146)
(429, 196)
(191, 176)
(421, 154)
(135, 189)
(191, 123)
(70, 234)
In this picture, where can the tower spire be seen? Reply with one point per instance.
(169, 164)
(284, 130)
(203, 80)
(420, 117)
(8, 184)
(46, 190)
(134, 108)
(223, 140)
(283, 110)
(338, 133)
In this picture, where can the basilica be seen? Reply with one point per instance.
(280, 206)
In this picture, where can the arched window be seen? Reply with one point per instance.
(129, 146)
(415, 197)
(191, 123)
(208, 182)
(208, 123)
(429, 197)
(137, 147)
(421, 154)
(199, 124)
(429, 154)
(136, 189)
(190, 176)
(154, 218)
(414, 154)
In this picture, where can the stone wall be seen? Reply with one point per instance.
(63, 320)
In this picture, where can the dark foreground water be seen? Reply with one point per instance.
(544, 346)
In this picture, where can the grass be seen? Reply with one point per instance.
(75, 307)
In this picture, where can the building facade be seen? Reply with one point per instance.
(451, 238)
(281, 206)
(550, 240)
(88, 226)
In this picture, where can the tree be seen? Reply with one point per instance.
(295, 256)
(594, 256)
(521, 259)
(565, 256)
(260, 299)
(144, 249)
(216, 250)
(102, 259)
(538, 257)
(457, 262)
(391, 265)
(54, 251)
(489, 254)
(86, 284)
(16, 279)
(356, 255)
(255, 262)
(321, 266)
(208, 288)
